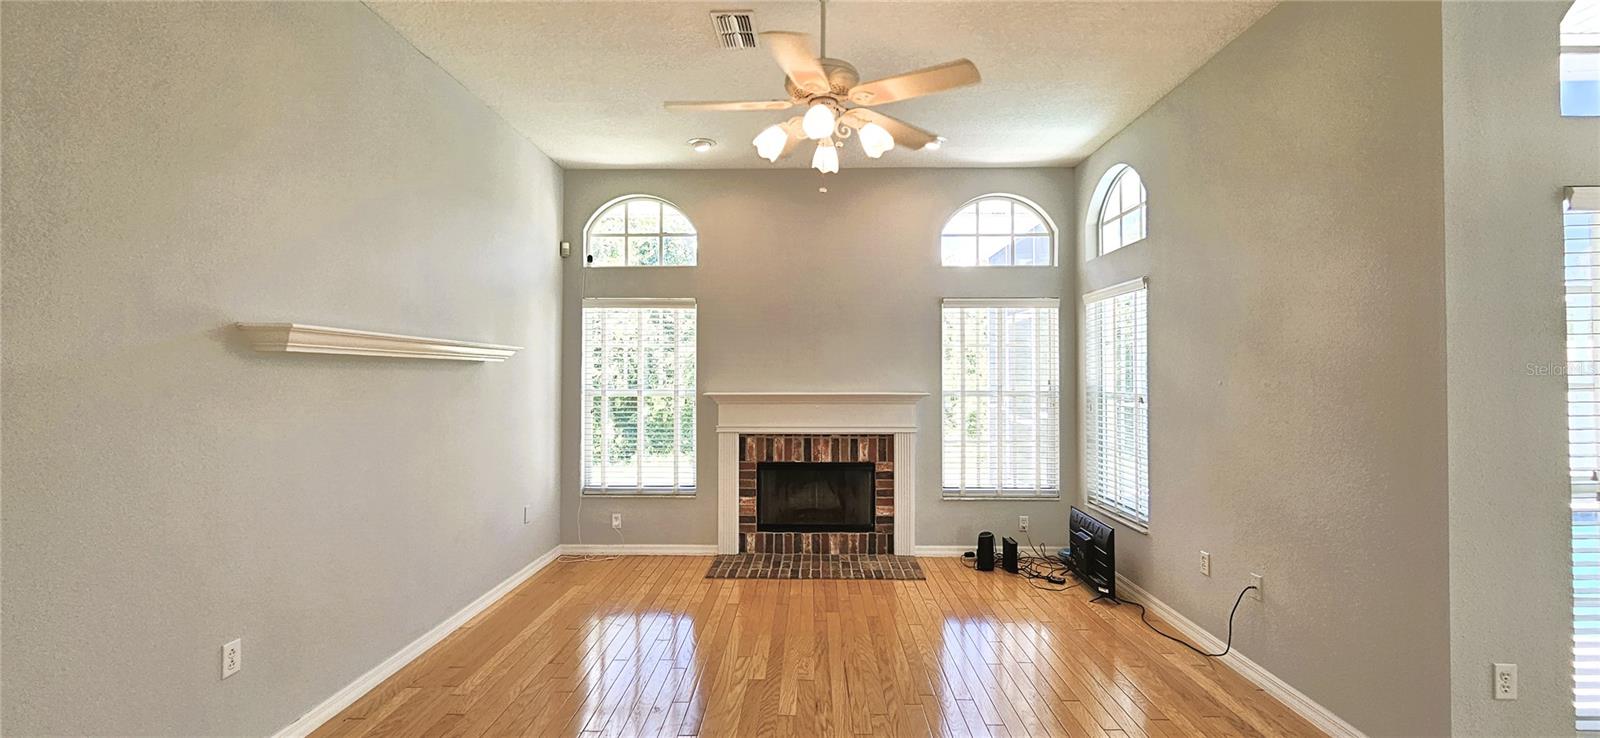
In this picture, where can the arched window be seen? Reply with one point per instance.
(1119, 211)
(998, 230)
(1580, 59)
(639, 230)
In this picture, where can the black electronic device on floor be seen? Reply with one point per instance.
(1092, 553)
(985, 551)
(1008, 554)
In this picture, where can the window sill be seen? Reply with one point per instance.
(1122, 518)
(680, 495)
(1043, 497)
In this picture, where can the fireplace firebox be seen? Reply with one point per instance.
(792, 499)
(814, 497)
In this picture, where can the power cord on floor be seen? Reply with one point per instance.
(1041, 567)
(1036, 568)
(1226, 648)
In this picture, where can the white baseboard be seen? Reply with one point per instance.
(366, 682)
(638, 549)
(961, 549)
(1304, 706)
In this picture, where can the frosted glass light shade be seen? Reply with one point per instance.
(770, 142)
(818, 123)
(826, 160)
(875, 140)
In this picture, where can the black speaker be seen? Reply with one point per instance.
(986, 551)
(1008, 554)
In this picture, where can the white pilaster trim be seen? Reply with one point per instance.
(905, 493)
(727, 492)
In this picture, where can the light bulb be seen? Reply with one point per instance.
(934, 144)
(875, 140)
(818, 123)
(770, 142)
(826, 160)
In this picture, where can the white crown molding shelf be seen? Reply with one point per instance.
(318, 339)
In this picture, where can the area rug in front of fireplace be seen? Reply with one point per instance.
(814, 566)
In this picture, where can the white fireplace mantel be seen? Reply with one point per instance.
(817, 412)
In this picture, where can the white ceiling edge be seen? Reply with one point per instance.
(1050, 98)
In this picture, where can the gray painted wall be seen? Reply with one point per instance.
(799, 290)
(170, 169)
(1297, 344)
(1508, 153)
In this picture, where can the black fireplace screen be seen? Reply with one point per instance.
(805, 497)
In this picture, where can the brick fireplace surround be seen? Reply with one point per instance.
(827, 427)
(839, 449)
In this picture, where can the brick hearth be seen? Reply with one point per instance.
(878, 449)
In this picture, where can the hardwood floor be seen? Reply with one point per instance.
(645, 646)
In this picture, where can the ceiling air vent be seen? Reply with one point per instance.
(735, 29)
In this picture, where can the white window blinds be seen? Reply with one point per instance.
(1001, 400)
(1116, 440)
(1582, 239)
(639, 396)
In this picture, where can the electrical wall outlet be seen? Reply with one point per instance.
(527, 514)
(1255, 581)
(1505, 681)
(232, 657)
(1022, 523)
(616, 521)
(1205, 563)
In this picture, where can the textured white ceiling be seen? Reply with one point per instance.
(585, 80)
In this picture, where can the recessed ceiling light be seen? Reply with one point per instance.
(934, 144)
(701, 145)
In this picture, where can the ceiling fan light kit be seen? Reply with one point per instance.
(826, 160)
(824, 87)
(771, 142)
(876, 141)
(819, 121)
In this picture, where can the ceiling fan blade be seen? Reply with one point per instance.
(903, 133)
(947, 76)
(754, 106)
(792, 51)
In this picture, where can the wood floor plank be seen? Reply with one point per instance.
(646, 646)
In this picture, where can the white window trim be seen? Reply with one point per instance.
(1049, 224)
(1043, 494)
(662, 233)
(1095, 218)
(1582, 491)
(1121, 516)
(637, 493)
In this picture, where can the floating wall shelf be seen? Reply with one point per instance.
(317, 339)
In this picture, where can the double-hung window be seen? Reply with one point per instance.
(638, 396)
(1116, 406)
(1001, 398)
(1581, 230)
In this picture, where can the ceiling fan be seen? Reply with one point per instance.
(838, 104)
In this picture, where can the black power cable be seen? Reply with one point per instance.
(1227, 647)
(1042, 567)
(1056, 571)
